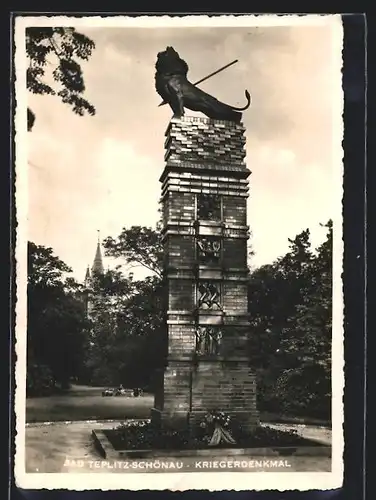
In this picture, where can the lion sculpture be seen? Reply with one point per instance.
(173, 86)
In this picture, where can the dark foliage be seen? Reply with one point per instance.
(138, 246)
(59, 48)
(290, 302)
(57, 329)
(127, 341)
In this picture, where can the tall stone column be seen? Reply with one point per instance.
(205, 233)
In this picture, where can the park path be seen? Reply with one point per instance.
(48, 447)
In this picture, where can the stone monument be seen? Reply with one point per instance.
(205, 233)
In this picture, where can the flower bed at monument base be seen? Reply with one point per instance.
(141, 439)
(146, 437)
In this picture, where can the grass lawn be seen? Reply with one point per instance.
(87, 403)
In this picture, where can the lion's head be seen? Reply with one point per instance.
(169, 61)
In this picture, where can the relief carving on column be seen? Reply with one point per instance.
(209, 250)
(208, 340)
(208, 207)
(209, 295)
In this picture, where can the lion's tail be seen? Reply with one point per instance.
(248, 97)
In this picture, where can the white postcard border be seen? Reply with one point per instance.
(174, 481)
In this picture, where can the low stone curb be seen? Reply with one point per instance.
(107, 451)
(67, 422)
(280, 419)
(294, 425)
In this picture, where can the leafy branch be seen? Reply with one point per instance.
(68, 46)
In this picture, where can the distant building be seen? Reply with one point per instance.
(96, 269)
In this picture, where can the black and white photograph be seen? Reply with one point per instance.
(179, 315)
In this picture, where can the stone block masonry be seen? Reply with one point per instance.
(205, 234)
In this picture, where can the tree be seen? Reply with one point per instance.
(66, 46)
(128, 336)
(57, 329)
(139, 246)
(290, 341)
(142, 323)
(307, 333)
(273, 292)
(107, 296)
(307, 337)
(127, 323)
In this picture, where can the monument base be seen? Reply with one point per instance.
(183, 420)
(174, 420)
(191, 390)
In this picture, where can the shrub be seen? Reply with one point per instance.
(39, 380)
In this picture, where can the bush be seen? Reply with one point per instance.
(39, 380)
(268, 400)
(305, 392)
(143, 435)
(301, 392)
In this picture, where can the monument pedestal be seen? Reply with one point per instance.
(205, 233)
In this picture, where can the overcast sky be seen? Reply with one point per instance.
(89, 173)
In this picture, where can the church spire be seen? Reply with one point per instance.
(97, 266)
(87, 275)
